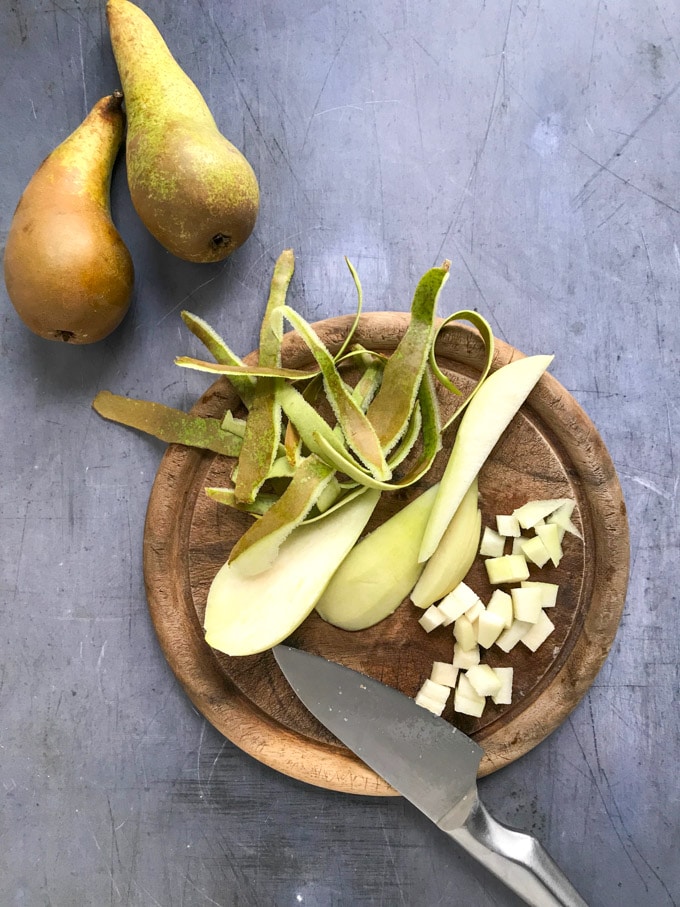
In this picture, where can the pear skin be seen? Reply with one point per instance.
(68, 273)
(193, 190)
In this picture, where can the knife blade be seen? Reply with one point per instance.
(429, 762)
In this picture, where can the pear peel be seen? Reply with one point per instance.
(194, 191)
(68, 272)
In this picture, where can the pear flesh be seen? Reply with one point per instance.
(68, 273)
(193, 190)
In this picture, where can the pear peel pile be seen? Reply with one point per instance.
(300, 475)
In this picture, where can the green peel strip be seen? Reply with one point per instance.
(263, 425)
(486, 334)
(355, 426)
(257, 548)
(391, 410)
(170, 425)
(242, 384)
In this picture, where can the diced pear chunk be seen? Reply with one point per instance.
(473, 613)
(483, 680)
(549, 534)
(451, 608)
(489, 628)
(504, 695)
(509, 638)
(464, 633)
(466, 701)
(500, 603)
(443, 672)
(530, 513)
(526, 603)
(466, 595)
(535, 551)
(538, 633)
(562, 518)
(465, 658)
(431, 619)
(517, 544)
(548, 592)
(508, 525)
(432, 705)
(434, 690)
(510, 568)
(493, 544)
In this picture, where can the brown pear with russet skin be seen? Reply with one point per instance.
(194, 191)
(68, 273)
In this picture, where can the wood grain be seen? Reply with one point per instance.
(551, 449)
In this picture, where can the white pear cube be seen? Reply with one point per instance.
(508, 525)
(510, 637)
(533, 511)
(432, 705)
(538, 633)
(451, 607)
(464, 633)
(517, 544)
(549, 534)
(473, 613)
(483, 680)
(431, 619)
(548, 592)
(434, 690)
(489, 628)
(526, 603)
(465, 658)
(535, 551)
(504, 694)
(465, 594)
(562, 518)
(466, 701)
(493, 544)
(500, 603)
(511, 568)
(443, 672)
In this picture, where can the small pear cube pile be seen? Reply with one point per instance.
(516, 614)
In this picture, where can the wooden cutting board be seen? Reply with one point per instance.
(550, 450)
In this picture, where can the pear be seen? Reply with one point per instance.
(193, 190)
(68, 273)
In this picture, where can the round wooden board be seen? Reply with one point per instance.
(551, 449)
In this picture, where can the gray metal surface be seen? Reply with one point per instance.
(426, 759)
(534, 144)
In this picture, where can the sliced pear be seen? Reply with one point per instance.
(455, 553)
(490, 412)
(379, 572)
(249, 614)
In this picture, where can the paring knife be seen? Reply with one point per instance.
(429, 762)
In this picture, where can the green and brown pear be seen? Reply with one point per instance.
(68, 273)
(193, 190)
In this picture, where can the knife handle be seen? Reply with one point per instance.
(516, 858)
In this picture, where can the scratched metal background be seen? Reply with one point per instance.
(535, 144)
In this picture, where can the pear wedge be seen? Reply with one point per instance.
(68, 273)
(193, 190)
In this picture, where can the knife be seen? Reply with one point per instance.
(430, 763)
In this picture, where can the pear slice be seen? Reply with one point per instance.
(249, 614)
(490, 412)
(455, 553)
(380, 571)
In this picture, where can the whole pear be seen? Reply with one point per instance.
(193, 190)
(68, 273)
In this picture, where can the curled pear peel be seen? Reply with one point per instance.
(193, 190)
(68, 273)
